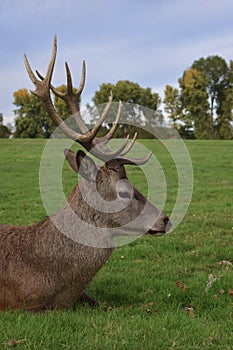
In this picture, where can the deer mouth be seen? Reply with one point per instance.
(156, 233)
(162, 230)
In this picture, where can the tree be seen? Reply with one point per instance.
(30, 115)
(216, 70)
(206, 97)
(224, 129)
(172, 104)
(132, 94)
(4, 130)
(223, 123)
(31, 118)
(195, 105)
(173, 108)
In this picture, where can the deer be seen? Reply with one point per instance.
(48, 265)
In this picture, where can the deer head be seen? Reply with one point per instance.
(104, 198)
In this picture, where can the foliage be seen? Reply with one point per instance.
(216, 71)
(204, 102)
(194, 101)
(172, 104)
(224, 119)
(223, 124)
(127, 91)
(30, 115)
(32, 120)
(5, 132)
(134, 96)
(202, 106)
(154, 289)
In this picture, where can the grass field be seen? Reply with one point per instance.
(154, 288)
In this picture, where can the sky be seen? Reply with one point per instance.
(150, 42)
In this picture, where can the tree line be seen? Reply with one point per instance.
(200, 107)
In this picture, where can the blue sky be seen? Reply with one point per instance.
(145, 41)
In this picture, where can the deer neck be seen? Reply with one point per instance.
(82, 223)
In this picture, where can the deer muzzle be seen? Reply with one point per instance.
(161, 226)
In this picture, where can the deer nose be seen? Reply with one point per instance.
(167, 223)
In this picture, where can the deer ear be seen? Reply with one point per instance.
(86, 166)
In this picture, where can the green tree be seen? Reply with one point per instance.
(172, 104)
(223, 123)
(132, 94)
(4, 130)
(216, 69)
(30, 115)
(31, 118)
(195, 105)
(212, 82)
(224, 129)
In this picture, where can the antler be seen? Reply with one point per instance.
(95, 145)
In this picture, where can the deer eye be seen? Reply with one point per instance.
(124, 195)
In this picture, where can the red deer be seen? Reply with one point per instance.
(45, 266)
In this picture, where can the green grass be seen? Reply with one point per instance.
(141, 284)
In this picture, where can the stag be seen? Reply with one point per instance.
(48, 265)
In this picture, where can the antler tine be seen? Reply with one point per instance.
(139, 161)
(131, 144)
(123, 149)
(62, 95)
(39, 75)
(66, 95)
(105, 153)
(58, 93)
(42, 89)
(101, 148)
(71, 97)
(110, 134)
(76, 94)
(69, 79)
(73, 102)
(82, 80)
(30, 72)
(96, 128)
(50, 68)
(102, 141)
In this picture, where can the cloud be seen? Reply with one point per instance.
(149, 42)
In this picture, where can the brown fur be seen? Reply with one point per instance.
(41, 268)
